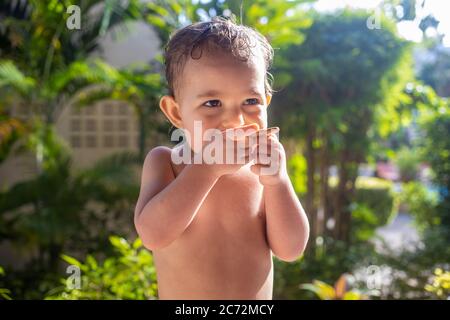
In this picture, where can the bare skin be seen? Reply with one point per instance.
(213, 228)
(224, 248)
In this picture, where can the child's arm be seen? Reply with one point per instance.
(287, 226)
(166, 206)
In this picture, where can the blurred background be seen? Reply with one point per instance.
(361, 98)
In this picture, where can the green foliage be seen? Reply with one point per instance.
(407, 161)
(437, 73)
(378, 195)
(62, 208)
(297, 172)
(435, 148)
(328, 262)
(358, 55)
(436, 151)
(342, 75)
(268, 17)
(412, 269)
(130, 274)
(374, 205)
(4, 293)
(34, 33)
(11, 76)
(421, 204)
(364, 222)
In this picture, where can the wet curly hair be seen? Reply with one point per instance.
(220, 33)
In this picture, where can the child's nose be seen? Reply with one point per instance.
(234, 120)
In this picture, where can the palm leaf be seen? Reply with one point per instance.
(11, 76)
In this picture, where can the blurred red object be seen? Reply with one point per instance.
(387, 171)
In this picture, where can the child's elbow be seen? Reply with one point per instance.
(295, 251)
(290, 256)
(151, 240)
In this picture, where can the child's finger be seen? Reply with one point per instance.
(243, 128)
(240, 133)
(245, 158)
(261, 135)
(257, 168)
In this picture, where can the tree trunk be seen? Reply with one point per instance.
(344, 194)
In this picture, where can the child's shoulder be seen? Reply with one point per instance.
(159, 158)
(159, 152)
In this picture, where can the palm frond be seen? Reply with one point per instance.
(11, 76)
(116, 169)
(81, 73)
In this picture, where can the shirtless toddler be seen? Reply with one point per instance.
(213, 226)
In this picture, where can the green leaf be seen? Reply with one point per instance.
(71, 260)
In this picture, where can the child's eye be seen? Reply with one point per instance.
(216, 103)
(253, 101)
(212, 103)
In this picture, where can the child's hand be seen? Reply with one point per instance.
(270, 159)
(235, 146)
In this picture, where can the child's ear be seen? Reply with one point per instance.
(268, 98)
(171, 109)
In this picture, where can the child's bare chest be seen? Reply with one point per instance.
(235, 206)
(227, 234)
(234, 200)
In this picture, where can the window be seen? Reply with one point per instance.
(91, 141)
(108, 141)
(123, 141)
(90, 110)
(75, 125)
(123, 125)
(123, 109)
(75, 141)
(108, 125)
(91, 125)
(108, 109)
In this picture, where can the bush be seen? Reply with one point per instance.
(331, 259)
(128, 275)
(421, 205)
(375, 204)
(296, 167)
(364, 222)
(413, 269)
(407, 161)
(378, 195)
(435, 149)
(4, 293)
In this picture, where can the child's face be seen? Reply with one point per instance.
(222, 93)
